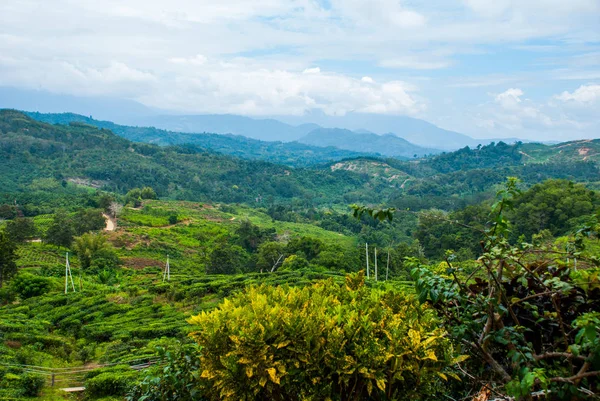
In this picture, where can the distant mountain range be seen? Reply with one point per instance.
(387, 145)
(279, 128)
(293, 154)
(262, 129)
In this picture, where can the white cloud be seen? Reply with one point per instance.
(314, 70)
(510, 98)
(198, 59)
(245, 88)
(585, 94)
(259, 57)
(416, 63)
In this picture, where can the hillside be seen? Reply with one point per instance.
(416, 131)
(263, 129)
(288, 153)
(387, 145)
(32, 150)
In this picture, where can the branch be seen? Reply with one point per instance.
(576, 377)
(565, 355)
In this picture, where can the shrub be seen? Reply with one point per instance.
(31, 384)
(27, 285)
(178, 380)
(324, 341)
(110, 383)
(173, 219)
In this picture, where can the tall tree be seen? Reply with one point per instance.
(8, 267)
(61, 231)
(19, 229)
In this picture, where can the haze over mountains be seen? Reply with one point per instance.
(284, 128)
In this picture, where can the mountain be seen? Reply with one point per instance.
(288, 153)
(39, 155)
(416, 131)
(387, 145)
(263, 129)
(277, 128)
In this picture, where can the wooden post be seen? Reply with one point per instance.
(52, 379)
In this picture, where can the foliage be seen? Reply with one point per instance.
(86, 220)
(381, 214)
(94, 248)
(325, 341)
(61, 230)
(525, 314)
(552, 205)
(270, 256)
(174, 378)
(8, 267)
(110, 383)
(27, 285)
(251, 236)
(294, 262)
(32, 384)
(20, 229)
(227, 259)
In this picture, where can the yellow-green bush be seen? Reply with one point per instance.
(327, 341)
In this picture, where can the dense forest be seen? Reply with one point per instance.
(196, 275)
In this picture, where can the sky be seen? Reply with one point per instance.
(486, 68)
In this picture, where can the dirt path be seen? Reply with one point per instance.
(110, 223)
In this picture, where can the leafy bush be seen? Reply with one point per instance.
(178, 380)
(27, 285)
(325, 341)
(110, 383)
(32, 384)
(527, 314)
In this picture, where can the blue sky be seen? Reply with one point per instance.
(501, 68)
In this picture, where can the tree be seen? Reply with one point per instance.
(294, 262)
(8, 257)
(307, 247)
(90, 248)
(148, 193)
(61, 230)
(227, 259)
(87, 220)
(528, 318)
(20, 229)
(251, 235)
(270, 256)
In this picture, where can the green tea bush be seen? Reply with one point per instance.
(27, 285)
(31, 384)
(109, 383)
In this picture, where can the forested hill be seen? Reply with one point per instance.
(502, 154)
(32, 150)
(388, 145)
(288, 153)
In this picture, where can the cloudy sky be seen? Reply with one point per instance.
(487, 68)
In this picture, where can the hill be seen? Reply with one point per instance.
(387, 145)
(416, 131)
(288, 153)
(33, 150)
(263, 129)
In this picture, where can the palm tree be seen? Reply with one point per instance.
(87, 246)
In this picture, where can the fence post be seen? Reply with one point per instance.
(52, 379)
